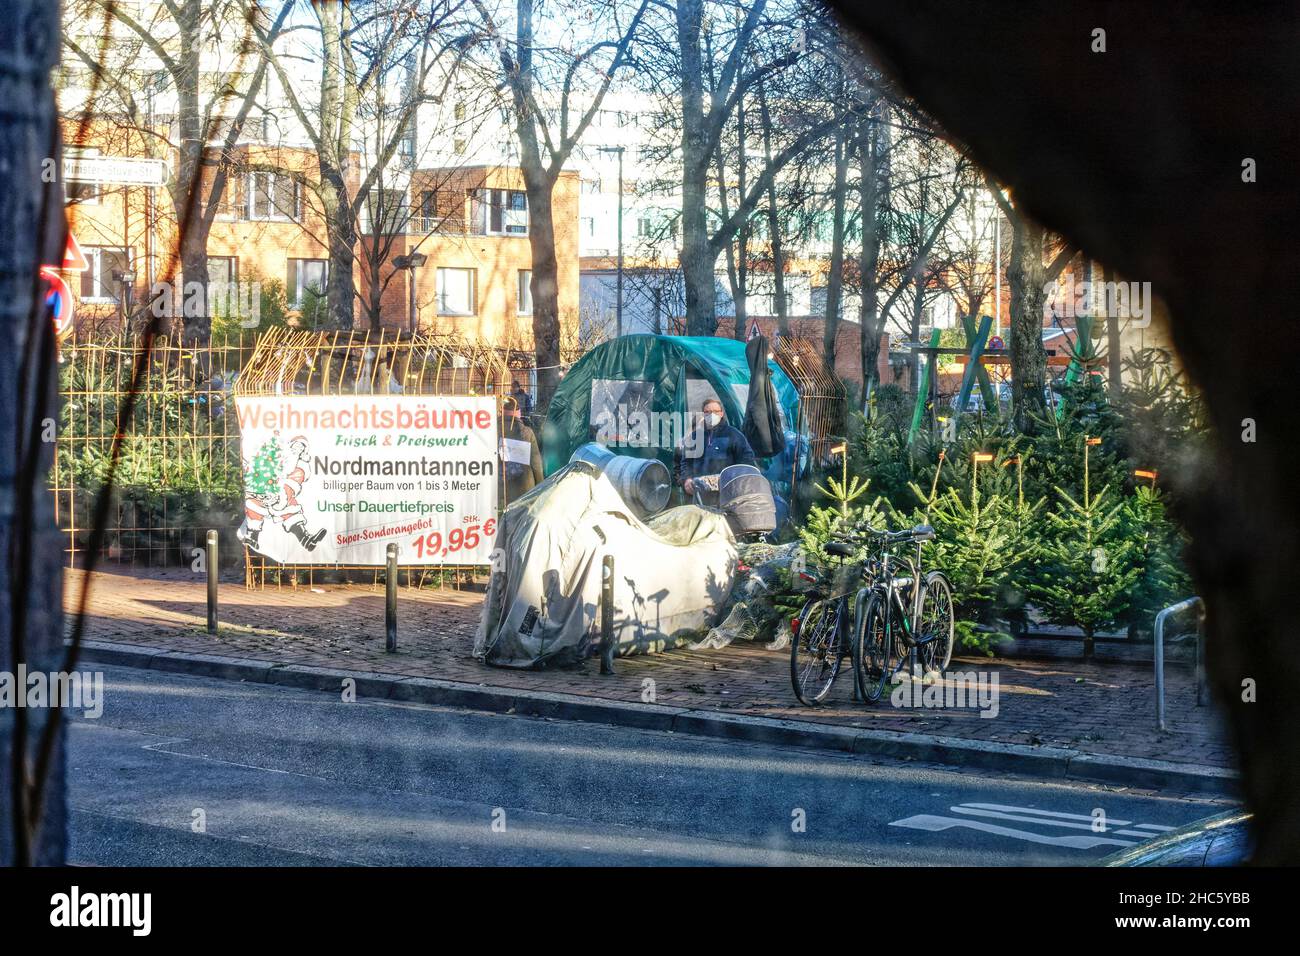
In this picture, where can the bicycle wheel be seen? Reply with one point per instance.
(936, 623)
(871, 651)
(817, 649)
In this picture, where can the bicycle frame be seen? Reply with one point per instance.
(890, 589)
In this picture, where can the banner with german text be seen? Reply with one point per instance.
(333, 479)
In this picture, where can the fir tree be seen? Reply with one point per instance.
(263, 474)
(1162, 579)
(1087, 565)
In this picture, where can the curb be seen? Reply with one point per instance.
(1047, 763)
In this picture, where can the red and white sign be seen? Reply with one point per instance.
(58, 296)
(334, 479)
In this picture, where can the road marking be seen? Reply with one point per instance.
(1049, 820)
(933, 824)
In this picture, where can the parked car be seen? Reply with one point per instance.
(1220, 840)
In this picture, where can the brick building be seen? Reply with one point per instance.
(470, 222)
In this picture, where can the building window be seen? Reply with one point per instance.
(499, 212)
(426, 211)
(644, 228)
(223, 271)
(306, 281)
(591, 186)
(385, 212)
(588, 226)
(455, 292)
(273, 196)
(525, 292)
(97, 284)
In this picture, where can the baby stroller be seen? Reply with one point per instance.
(745, 497)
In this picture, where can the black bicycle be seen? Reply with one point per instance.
(823, 629)
(904, 609)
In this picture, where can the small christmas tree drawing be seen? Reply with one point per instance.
(263, 475)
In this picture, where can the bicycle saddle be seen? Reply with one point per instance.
(839, 549)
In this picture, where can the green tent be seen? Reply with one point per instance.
(655, 374)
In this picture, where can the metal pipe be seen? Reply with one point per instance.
(1160, 652)
(607, 615)
(212, 581)
(390, 600)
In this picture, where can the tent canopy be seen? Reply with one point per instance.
(654, 374)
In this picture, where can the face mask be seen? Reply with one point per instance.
(712, 419)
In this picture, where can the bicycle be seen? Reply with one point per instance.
(821, 638)
(901, 615)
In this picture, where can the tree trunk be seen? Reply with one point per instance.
(870, 259)
(340, 228)
(187, 190)
(545, 286)
(1026, 277)
(698, 255)
(835, 273)
(31, 584)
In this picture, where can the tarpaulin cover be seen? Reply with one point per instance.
(658, 373)
(672, 574)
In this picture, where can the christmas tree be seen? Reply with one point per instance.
(1162, 580)
(263, 475)
(1087, 566)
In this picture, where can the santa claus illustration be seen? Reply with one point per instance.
(283, 505)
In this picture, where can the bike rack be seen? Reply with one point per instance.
(1160, 653)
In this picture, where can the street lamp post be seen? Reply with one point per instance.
(126, 283)
(618, 308)
(411, 262)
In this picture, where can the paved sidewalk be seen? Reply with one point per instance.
(1105, 708)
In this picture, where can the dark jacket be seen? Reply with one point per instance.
(721, 446)
(763, 412)
(520, 478)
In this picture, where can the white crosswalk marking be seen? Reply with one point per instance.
(977, 816)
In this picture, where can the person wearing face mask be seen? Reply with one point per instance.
(713, 447)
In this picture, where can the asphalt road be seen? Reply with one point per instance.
(193, 771)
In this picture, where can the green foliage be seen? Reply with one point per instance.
(1025, 535)
(1088, 565)
(1059, 445)
(272, 308)
(1163, 579)
(982, 542)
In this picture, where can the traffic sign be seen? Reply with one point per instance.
(58, 299)
(115, 170)
(74, 260)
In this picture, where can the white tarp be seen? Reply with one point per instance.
(672, 574)
(333, 479)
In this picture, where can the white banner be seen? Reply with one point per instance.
(333, 479)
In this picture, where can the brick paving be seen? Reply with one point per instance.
(1104, 708)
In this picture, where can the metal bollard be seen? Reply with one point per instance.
(390, 601)
(607, 615)
(212, 581)
(1160, 652)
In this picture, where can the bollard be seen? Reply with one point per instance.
(212, 581)
(607, 615)
(390, 601)
(1159, 652)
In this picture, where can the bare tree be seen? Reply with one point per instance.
(1027, 279)
(395, 48)
(167, 51)
(550, 116)
(719, 61)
